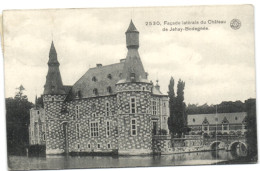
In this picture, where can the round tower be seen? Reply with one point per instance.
(133, 101)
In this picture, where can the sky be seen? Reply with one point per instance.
(217, 65)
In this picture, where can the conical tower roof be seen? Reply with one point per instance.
(133, 70)
(53, 83)
(131, 28)
(53, 55)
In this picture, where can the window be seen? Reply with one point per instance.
(205, 128)
(133, 127)
(143, 88)
(89, 146)
(95, 91)
(164, 104)
(109, 89)
(107, 108)
(120, 75)
(98, 146)
(79, 94)
(225, 127)
(108, 146)
(108, 128)
(193, 120)
(235, 118)
(52, 99)
(38, 112)
(43, 136)
(109, 76)
(154, 110)
(158, 106)
(94, 129)
(132, 105)
(77, 130)
(78, 146)
(132, 76)
(77, 111)
(94, 79)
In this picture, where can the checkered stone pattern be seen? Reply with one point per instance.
(82, 112)
(143, 138)
(92, 110)
(162, 144)
(143, 97)
(54, 134)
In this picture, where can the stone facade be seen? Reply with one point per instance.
(103, 112)
(37, 127)
(220, 123)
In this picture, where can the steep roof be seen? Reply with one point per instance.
(133, 65)
(53, 83)
(232, 118)
(99, 78)
(131, 27)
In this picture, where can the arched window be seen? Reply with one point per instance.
(94, 79)
(109, 76)
(95, 91)
(109, 89)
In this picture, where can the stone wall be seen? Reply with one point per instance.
(68, 123)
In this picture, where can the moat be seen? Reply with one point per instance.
(69, 162)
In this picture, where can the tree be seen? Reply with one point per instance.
(180, 109)
(18, 118)
(251, 134)
(171, 106)
(178, 119)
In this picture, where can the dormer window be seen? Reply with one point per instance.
(95, 91)
(109, 89)
(132, 76)
(52, 88)
(94, 79)
(79, 94)
(109, 76)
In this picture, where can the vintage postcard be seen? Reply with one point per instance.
(130, 87)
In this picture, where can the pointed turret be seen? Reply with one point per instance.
(133, 68)
(53, 83)
(53, 56)
(132, 36)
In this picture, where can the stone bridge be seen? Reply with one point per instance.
(229, 142)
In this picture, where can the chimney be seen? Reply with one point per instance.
(99, 65)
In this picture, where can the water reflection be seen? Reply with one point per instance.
(67, 162)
